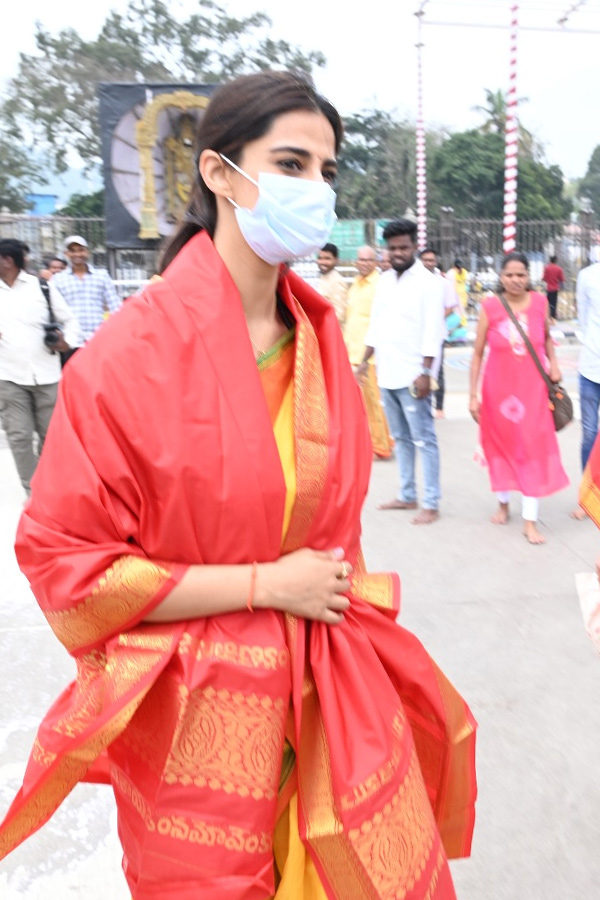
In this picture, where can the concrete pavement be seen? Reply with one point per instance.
(500, 616)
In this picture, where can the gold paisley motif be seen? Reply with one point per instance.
(230, 742)
(396, 843)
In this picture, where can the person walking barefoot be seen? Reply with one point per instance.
(517, 431)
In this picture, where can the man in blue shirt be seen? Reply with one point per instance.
(89, 291)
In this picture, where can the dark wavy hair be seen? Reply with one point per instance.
(13, 249)
(514, 256)
(400, 228)
(239, 112)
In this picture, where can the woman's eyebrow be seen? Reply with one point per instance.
(301, 151)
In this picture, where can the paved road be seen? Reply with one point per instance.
(500, 616)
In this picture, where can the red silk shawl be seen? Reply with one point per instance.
(160, 455)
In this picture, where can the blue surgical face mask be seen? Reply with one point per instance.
(292, 216)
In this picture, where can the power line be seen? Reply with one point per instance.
(542, 8)
(507, 27)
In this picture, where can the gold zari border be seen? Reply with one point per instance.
(311, 428)
(127, 587)
(378, 779)
(377, 589)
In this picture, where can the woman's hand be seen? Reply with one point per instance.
(474, 406)
(555, 374)
(307, 583)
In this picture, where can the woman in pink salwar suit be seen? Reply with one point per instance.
(517, 430)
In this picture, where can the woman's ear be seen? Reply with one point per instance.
(214, 172)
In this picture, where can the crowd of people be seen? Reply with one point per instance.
(397, 322)
(202, 558)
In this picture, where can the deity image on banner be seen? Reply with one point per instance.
(179, 165)
(150, 158)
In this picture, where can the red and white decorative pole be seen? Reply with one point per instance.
(420, 154)
(511, 142)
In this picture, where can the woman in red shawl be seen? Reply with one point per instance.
(193, 539)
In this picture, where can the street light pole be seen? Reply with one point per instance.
(421, 159)
(511, 142)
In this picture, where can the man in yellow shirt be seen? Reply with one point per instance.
(331, 284)
(358, 314)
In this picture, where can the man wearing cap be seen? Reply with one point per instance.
(89, 291)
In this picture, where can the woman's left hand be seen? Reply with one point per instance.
(555, 374)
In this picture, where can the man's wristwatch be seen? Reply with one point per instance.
(426, 371)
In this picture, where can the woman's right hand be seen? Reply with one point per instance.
(474, 406)
(307, 583)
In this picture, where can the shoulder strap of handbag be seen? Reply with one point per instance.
(45, 289)
(527, 342)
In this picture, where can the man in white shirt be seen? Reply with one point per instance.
(29, 357)
(588, 312)
(406, 333)
(331, 284)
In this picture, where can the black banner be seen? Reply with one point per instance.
(147, 134)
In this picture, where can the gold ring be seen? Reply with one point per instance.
(345, 571)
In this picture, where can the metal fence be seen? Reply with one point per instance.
(45, 237)
(477, 242)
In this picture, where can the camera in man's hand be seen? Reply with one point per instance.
(53, 335)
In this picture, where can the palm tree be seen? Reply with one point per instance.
(495, 111)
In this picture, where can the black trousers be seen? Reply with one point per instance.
(439, 394)
(552, 302)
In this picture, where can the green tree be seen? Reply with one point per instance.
(466, 172)
(377, 166)
(590, 184)
(84, 205)
(53, 95)
(542, 192)
(19, 174)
